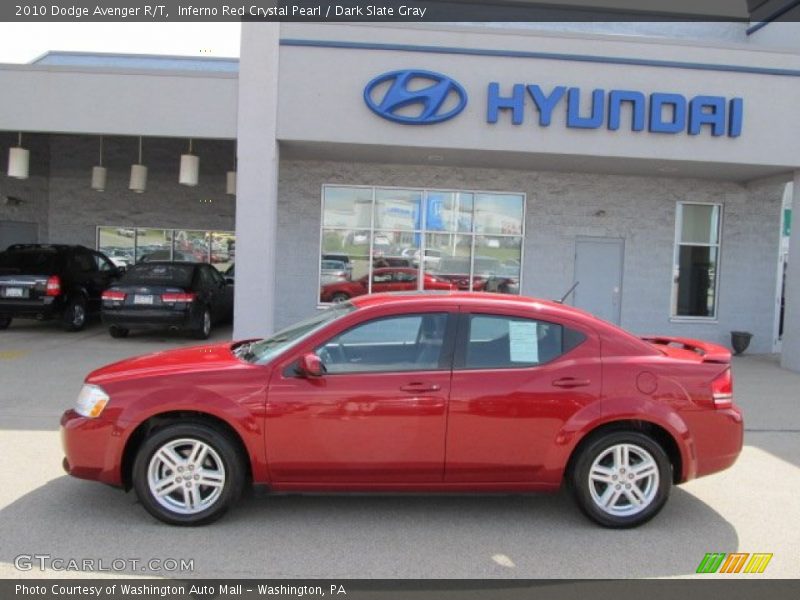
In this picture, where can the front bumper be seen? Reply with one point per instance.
(92, 448)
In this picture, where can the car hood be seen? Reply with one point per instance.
(179, 361)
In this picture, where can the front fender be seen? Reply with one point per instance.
(246, 419)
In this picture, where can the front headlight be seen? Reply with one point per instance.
(91, 401)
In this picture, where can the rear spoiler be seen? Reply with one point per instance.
(710, 353)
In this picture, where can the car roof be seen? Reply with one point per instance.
(456, 297)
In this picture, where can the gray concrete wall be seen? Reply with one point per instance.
(124, 102)
(75, 210)
(790, 352)
(33, 192)
(560, 207)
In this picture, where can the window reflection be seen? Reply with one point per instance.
(126, 246)
(466, 240)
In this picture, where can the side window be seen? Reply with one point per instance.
(103, 265)
(382, 277)
(206, 280)
(391, 344)
(84, 262)
(405, 276)
(504, 342)
(216, 276)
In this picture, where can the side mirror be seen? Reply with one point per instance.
(311, 365)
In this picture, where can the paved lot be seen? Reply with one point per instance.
(752, 507)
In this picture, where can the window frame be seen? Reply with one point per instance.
(446, 356)
(422, 232)
(674, 317)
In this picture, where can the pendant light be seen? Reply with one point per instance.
(138, 181)
(190, 168)
(99, 172)
(230, 176)
(18, 160)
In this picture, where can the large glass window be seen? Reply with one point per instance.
(126, 246)
(695, 272)
(462, 240)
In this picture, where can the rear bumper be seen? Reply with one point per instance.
(44, 308)
(147, 319)
(91, 448)
(718, 437)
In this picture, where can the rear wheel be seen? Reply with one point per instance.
(74, 317)
(115, 331)
(202, 329)
(188, 474)
(621, 479)
(4, 322)
(339, 297)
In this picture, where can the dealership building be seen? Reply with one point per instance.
(655, 170)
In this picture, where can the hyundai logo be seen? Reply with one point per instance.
(414, 97)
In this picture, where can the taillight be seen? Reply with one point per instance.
(53, 286)
(114, 296)
(177, 297)
(722, 389)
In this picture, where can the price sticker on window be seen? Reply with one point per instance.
(523, 342)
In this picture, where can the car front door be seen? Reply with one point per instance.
(379, 413)
(516, 382)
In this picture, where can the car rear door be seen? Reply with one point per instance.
(517, 379)
(378, 415)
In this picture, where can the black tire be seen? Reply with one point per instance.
(340, 297)
(75, 314)
(202, 328)
(4, 322)
(632, 498)
(115, 331)
(180, 435)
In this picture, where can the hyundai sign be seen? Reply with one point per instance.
(417, 97)
(436, 97)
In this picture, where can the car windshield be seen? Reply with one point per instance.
(159, 274)
(28, 262)
(263, 351)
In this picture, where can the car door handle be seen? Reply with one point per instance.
(570, 382)
(418, 387)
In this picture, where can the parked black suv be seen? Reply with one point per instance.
(46, 281)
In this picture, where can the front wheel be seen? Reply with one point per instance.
(4, 322)
(339, 297)
(621, 479)
(188, 474)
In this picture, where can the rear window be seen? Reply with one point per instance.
(159, 274)
(28, 262)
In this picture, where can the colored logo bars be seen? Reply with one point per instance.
(736, 562)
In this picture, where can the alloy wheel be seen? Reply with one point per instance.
(623, 480)
(186, 476)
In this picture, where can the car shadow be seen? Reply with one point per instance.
(360, 536)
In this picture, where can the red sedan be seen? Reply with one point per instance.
(387, 279)
(429, 392)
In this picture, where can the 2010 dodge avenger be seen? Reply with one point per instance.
(434, 392)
